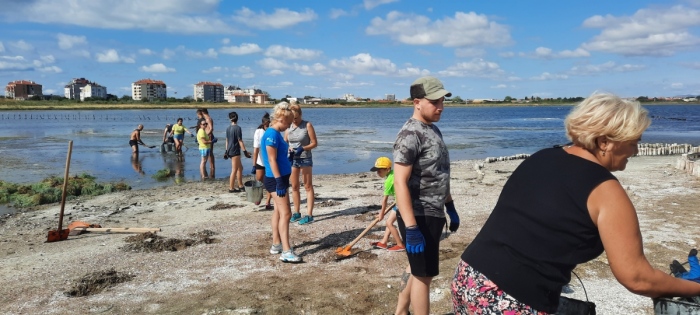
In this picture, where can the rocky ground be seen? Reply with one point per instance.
(211, 256)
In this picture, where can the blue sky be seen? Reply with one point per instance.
(479, 49)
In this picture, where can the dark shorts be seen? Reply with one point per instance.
(259, 167)
(271, 183)
(303, 162)
(133, 143)
(427, 263)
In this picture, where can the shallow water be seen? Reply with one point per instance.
(34, 144)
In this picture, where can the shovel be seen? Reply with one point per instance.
(61, 234)
(343, 252)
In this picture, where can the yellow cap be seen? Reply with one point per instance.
(381, 162)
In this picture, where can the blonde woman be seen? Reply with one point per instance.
(302, 139)
(563, 207)
(277, 172)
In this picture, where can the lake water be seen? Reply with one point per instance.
(34, 144)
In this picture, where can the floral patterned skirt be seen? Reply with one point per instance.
(474, 294)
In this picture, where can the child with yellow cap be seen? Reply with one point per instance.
(383, 168)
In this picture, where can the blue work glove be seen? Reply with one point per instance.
(191, 135)
(254, 169)
(281, 187)
(415, 242)
(298, 151)
(454, 218)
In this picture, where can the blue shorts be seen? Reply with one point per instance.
(179, 137)
(204, 152)
(271, 184)
(303, 162)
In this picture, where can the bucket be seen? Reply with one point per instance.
(668, 306)
(253, 191)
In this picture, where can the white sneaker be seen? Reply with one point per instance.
(276, 249)
(289, 256)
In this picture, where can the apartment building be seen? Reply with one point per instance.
(81, 88)
(22, 89)
(148, 89)
(234, 94)
(209, 92)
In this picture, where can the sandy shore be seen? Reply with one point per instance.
(231, 272)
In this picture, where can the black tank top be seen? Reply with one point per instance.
(540, 228)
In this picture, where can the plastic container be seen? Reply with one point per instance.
(253, 191)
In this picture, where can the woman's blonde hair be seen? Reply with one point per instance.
(605, 114)
(295, 108)
(282, 109)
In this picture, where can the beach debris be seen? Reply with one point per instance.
(150, 242)
(223, 206)
(95, 282)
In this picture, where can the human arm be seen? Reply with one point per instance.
(312, 138)
(382, 211)
(415, 242)
(452, 213)
(614, 215)
(165, 134)
(242, 145)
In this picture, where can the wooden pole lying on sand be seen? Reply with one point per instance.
(116, 230)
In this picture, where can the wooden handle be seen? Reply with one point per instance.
(357, 239)
(118, 230)
(65, 185)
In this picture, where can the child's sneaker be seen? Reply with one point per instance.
(306, 220)
(289, 256)
(396, 248)
(379, 245)
(276, 249)
(295, 217)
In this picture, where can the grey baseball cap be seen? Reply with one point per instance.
(428, 87)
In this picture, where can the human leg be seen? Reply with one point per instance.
(295, 183)
(232, 177)
(391, 229)
(404, 300)
(306, 174)
(239, 171)
(212, 168)
(202, 167)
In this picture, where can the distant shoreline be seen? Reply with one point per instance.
(5, 106)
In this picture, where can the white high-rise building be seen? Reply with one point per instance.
(209, 92)
(148, 89)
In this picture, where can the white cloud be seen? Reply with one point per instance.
(277, 51)
(499, 86)
(112, 56)
(47, 59)
(548, 53)
(365, 64)
(146, 51)
(49, 91)
(465, 29)
(215, 70)
(21, 45)
(546, 76)
(248, 75)
(371, 4)
(272, 63)
(50, 69)
(168, 53)
(281, 18)
(604, 68)
(336, 13)
(2, 47)
(157, 68)
(16, 63)
(478, 67)
(469, 52)
(649, 32)
(174, 16)
(243, 49)
(210, 53)
(286, 83)
(68, 41)
(275, 72)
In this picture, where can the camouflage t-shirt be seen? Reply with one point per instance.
(421, 145)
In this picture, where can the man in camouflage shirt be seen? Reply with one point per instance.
(422, 186)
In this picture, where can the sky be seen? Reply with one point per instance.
(370, 48)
